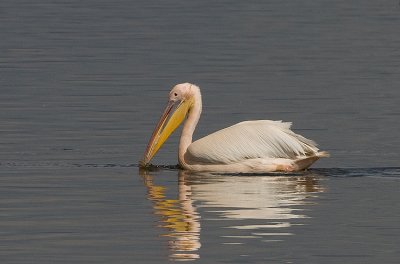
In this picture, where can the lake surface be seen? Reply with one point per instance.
(83, 83)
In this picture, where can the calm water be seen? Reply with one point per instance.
(83, 82)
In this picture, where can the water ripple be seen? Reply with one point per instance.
(328, 172)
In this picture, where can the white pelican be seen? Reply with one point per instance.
(249, 146)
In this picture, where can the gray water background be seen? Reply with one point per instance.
(83, 83)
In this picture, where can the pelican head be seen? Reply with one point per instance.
(180, 102)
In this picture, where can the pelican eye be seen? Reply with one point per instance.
(175, 94)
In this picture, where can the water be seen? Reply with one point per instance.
(83, 82)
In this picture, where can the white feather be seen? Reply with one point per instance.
(250, 140)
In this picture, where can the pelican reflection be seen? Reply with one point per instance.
(178, 216)
(261, 207)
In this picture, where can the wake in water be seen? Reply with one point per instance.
(328, 172)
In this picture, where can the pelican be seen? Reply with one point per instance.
(247, 147)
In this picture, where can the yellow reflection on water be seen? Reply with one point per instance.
(178, 216)
(271, 200)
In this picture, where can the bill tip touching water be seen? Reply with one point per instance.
(249, 146)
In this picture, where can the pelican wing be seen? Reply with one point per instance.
(250, 140)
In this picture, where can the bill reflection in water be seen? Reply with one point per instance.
(259, 207)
